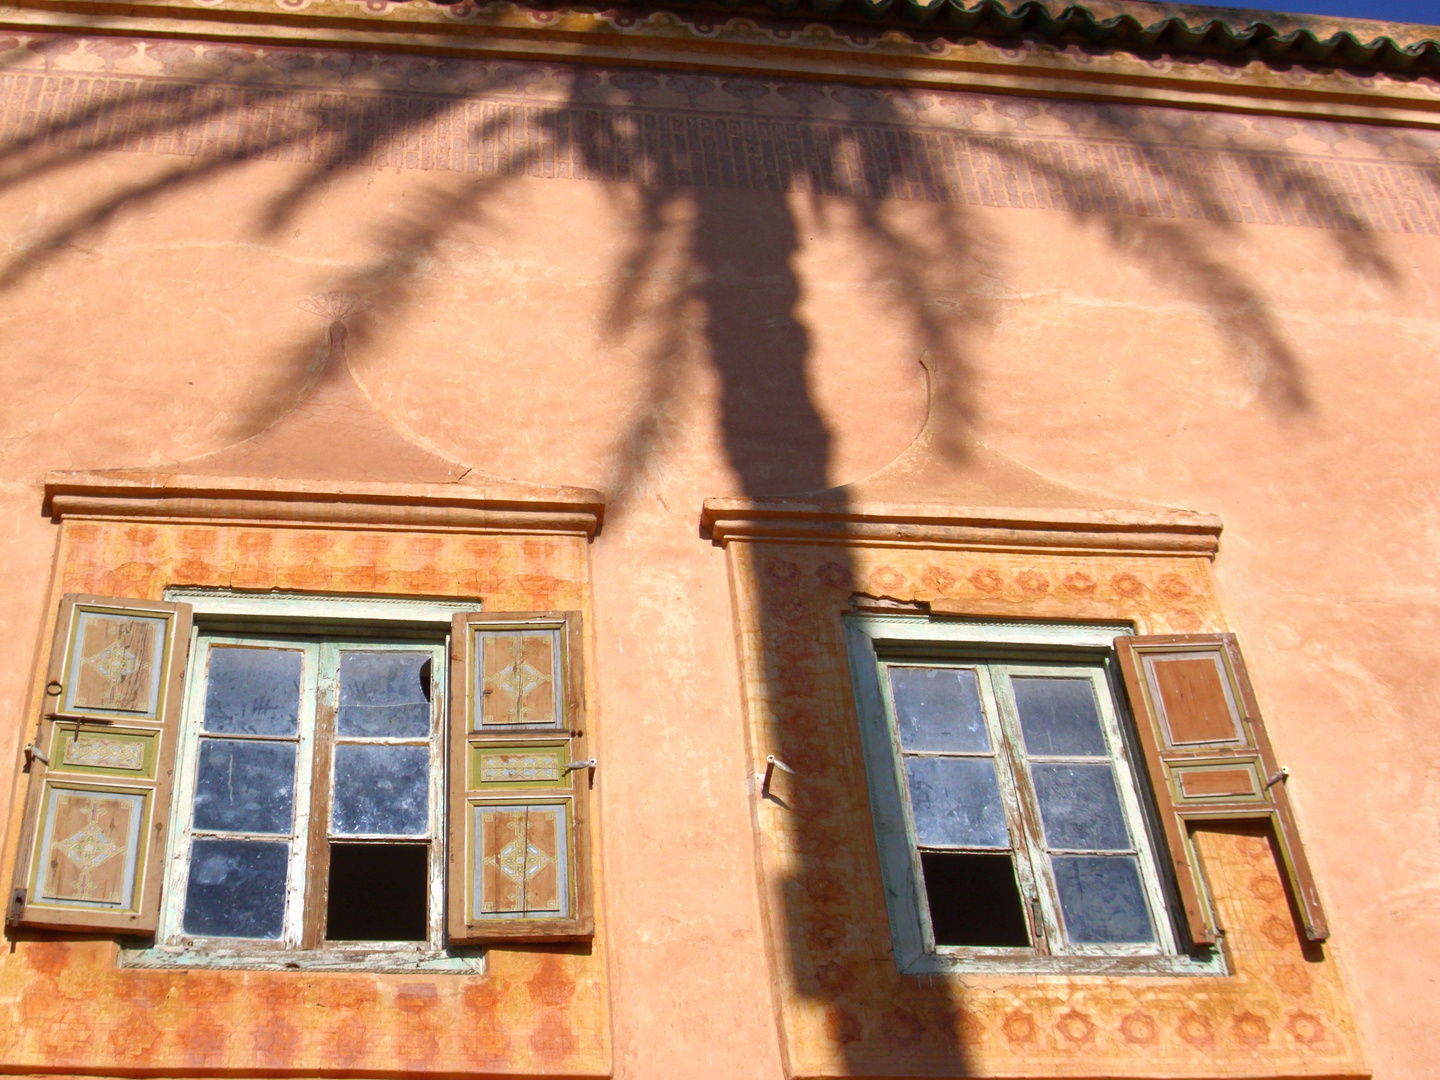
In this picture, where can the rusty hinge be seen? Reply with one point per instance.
(17, 906)
(32, 752)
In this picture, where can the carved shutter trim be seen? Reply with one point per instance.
(518, 851)
(1210, 759)
(92, 841)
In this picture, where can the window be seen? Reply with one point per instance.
(285, 780)
(1011, 818)
(310, 793)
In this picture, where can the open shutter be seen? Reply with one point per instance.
(1210, 760)
(519, 843)
(92, 843)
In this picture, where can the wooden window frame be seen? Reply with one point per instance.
(877, 642)
(316, 739)
(281, 614)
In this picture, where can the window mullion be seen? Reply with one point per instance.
(1040, 893)
(301, 844)
(317, 833)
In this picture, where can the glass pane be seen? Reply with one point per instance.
(1102, 899)
(1059, 716)
(253, 691)
(956, 802)
(384, 694)
(938, 709)
(236, 888)
(244, 786)
(381, 790)
(1080, 807)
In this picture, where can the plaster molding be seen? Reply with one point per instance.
(1133, 532)
(178, 498)
(792, 48)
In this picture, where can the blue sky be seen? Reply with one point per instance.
(1414, 11)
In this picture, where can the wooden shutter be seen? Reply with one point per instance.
(1210, 760)
(92, 843)
(519, 834)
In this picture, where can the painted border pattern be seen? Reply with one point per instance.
(489, 119)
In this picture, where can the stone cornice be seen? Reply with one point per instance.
(167, 497)
(1160, 532)
(760, 46)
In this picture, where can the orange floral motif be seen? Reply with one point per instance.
(834, 574)
(1305, 1028)
(1019, 1026)
(1138, 1028)
(1173, 586)
(1075, 1026)
(835, 978)
(901, 1026)
(1032, 582)
(1127, 585)
(987, 580)
(1266, 888)
(1292, 978)
(1185, 621)
(886, 579)
(1196, 1030)
(1250, 1029)
(781, 571)
(842, 1026)
(1277, 930)
(936, 579)
(788, 608)
(1079, 584)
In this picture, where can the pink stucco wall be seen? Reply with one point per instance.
(1273, 365)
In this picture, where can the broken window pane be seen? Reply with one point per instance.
(956, 802)
(1059, 717)
(381, 790)
(938, 709)
(245, 786)
(253, 691)
(384, 694)
(1080, 807)
(1102, 899)
(236, 888)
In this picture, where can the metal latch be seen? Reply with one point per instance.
(588, 763)
(32, 752)
(771, 764)
(1279, 778)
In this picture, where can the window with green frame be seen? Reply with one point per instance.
(1013, 825)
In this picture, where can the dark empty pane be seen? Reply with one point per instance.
(381, 790)
(253, 691)
(973, 899)
(1102, 900)
(1080, 807)
(378, 892)
(384, 694)
(236, 888)
(245, 786)
(1058, 716)
(938, 709)
(956, 802)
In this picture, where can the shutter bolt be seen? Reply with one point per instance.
(1278, 778)
(771, 764)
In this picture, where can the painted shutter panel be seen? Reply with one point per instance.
(1210, 760)
(92, 842)
(518, 851)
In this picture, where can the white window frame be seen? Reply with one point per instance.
(320, 626)
(995, 649)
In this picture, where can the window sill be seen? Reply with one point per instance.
(972, 962)
(379, 958)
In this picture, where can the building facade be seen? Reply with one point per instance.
(696, 541)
